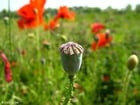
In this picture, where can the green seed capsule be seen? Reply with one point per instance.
(71, 56)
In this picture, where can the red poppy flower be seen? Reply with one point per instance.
(65, 13)
(103, 39)
(106, 78)
(31, 14)
(7, 67)
(53, 24)
(97, 27)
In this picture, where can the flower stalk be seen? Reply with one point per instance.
(71, 57)
(131, 65)
(70, 91)
(125, 88)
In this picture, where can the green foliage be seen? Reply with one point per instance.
(41, 80)
(137, 8)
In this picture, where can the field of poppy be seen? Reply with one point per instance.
(69, 56)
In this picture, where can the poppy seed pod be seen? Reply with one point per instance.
(132, 62)
(71, 56)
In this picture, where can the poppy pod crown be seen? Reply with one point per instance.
(71, 48)
(71, 56)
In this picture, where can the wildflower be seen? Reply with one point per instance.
(7, 67)
(71, 56)
(53, 24)
(97, 27)
(102, 40)
(31, 14)
(132, 62)
(65, 13)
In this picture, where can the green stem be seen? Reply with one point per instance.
(70, 90)
(125, 88)
(6, 92)
(41, 72)
(9, 28)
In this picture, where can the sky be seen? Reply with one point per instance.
(116, 4)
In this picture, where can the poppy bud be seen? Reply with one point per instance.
(46, 44)
(6, 20)
(8, 73)
(71, 56)
(132, 62)
(7, 67)
(64, 37)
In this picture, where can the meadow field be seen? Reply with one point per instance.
(38, 77)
